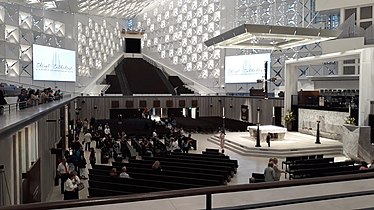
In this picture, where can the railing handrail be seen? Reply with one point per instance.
(14, 106)
(208, 191)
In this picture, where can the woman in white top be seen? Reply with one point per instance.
(107, 129)
(222, 140)
(70, 188)
(87, 140)
(174, 145)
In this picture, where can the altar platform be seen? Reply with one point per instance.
(293, 144)
(276, 132)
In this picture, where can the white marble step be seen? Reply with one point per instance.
(264, 151)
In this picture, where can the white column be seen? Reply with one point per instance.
(365, 83)
(342, 15)
(291, 77)
(340, 68)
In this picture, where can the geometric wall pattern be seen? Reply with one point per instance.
(19, 29)
(175, 31)
(98, 41)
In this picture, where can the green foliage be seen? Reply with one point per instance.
(289, 117)
(350, 120)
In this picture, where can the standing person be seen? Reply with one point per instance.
(22, 99)
(222, 140)
(70, 188)
(85, 125)
(82, 166)
(2, 102)
(87, 140)
(76, 181)
(92, 157)
(107, 129)
(277, 171)
(63, 173)
(154, 134)
(269, 173)
(268, 137)
(186, 145)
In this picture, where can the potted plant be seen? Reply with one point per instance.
(350, 120)
(288, 118)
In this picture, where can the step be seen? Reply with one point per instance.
(266, 152)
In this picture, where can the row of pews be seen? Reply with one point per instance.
(179, 171)
(310, 166)
(321, 167)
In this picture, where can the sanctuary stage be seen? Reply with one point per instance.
(293, 144)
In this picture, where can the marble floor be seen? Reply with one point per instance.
(247, 165)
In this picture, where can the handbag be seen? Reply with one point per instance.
(80, 186)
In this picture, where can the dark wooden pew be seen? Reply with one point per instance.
(319, 165)
(291, 160)
(193, 161)
(205, 157)
(257, 177)
(98, 192)
(318, 172)
(143, 182)
(226, 171)
(161, 177)
(124, 187)
(142, 169)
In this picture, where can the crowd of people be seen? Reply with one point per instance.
(33, 97)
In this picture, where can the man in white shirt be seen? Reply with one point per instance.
(107, 129)
(70, 188)
(124, 173)
(87, 140)
(63, 173)
(154, 134)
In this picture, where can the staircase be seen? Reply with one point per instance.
(144, 78)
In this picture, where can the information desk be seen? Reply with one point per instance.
(276, 133)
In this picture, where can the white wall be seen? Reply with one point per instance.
(337, 4)
(353, 84)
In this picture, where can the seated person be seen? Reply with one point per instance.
(124, 173)
(174, 147)
(113, 172)
(372, 165)
(156, 166)
(364, 166)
